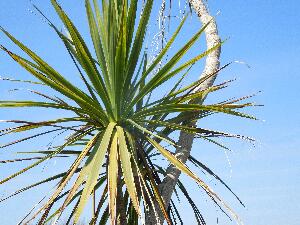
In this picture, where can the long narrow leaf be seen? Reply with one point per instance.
(125, 158)
(187, 171)
(91, 170)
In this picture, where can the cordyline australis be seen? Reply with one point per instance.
(120, 128)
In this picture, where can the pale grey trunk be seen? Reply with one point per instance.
(186, 140)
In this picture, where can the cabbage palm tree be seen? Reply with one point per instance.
(120, 129)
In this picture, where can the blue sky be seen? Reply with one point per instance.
(266, 35)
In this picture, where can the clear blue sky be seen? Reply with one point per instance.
(266, 35)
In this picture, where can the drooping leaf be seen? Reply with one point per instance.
(187, 171)
(113, 165)
(91, 170)
(125, 158)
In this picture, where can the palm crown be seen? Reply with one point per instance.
(119, 126)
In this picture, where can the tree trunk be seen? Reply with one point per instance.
(185, 141)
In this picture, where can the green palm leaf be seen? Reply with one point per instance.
(113, 177)
(125, 158)
(92, 169)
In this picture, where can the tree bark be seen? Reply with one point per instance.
(185, 141)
